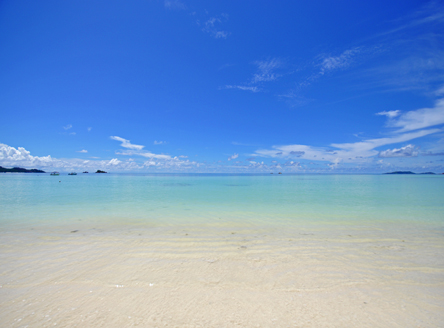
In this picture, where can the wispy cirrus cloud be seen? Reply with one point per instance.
(341, 153)
(174, 4)
(410, 125)
(146, 154)
(330, 63)
(420, 119)
(404, 58)
(212, 27)
(67, 127)
(82, 151)
(431, 13)
(266, 70)
(126, 143)
(243, 88)
(390, 113)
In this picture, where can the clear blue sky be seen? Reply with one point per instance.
(222, 86)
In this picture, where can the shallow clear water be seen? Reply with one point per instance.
(259, 250)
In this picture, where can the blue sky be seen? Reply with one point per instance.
(222, 86)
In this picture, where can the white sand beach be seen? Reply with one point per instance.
(221, 277)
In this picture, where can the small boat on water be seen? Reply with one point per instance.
(72, 173)
(55, 173)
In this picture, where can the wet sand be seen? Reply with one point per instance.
(188, 276)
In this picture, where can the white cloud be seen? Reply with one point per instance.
(220, 34)
(114, 162)
(233, 157)
(241, 87)
(159, 142)
(390, 113)
(89, 129)
(265, 73)
(126, 143)
(174, 4)
(407, 151)
(69, 126)
(161, 161)
(420, 118)
(346, 152)
(10, 156)
(343, 60)
(440, 91)
(144, 154)
(210, 26)
(265, 70)
(432, 12)
(82, 151)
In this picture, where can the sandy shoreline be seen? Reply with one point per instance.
(220, 278)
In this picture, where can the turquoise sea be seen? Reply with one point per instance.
(370, 245)
(277, 200)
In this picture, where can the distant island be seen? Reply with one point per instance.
(99, 171)
(408, 172)
(19, 170)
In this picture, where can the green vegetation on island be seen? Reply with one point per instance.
(19, 170)
(99, 171)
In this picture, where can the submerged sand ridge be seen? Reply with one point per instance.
(222, 276)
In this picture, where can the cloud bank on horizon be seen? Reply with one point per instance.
(360, 90)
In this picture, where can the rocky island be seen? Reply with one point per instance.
(100, 171)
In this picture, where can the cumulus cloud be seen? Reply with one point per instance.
(127, 143)
(407, 151)
(233, 157)
(82, 151)
(10, 157)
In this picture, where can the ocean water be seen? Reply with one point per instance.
(260, 250)
(244, 199)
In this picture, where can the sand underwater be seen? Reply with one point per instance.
(221, 251)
